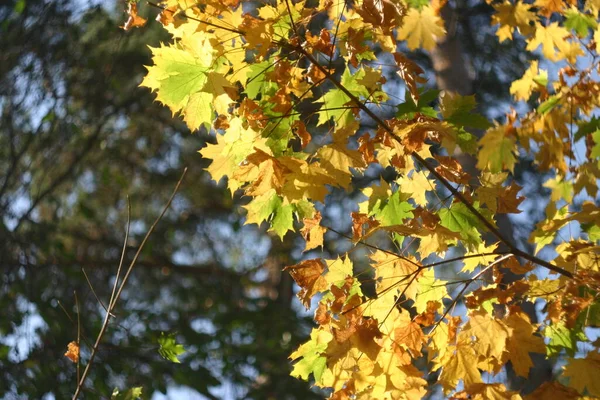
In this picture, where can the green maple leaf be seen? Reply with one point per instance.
(561, 338)
(337, 103)
(262, 207)
(257, 78)
(130, 394)
(458, 110)
(458, 218)
(180, 74)
(596, 149)
(283, 220)
(393, 211)
(408, 109)
(580, 23)
(313, 360)
(168, 347)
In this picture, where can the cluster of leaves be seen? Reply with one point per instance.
(292, 89)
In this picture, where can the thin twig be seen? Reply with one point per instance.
(93, 291)
(114, 290)
(464, 289)
(78, 335)
(113, 303)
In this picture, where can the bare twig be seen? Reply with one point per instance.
(120, 287)
(78, 335)
(93, 291)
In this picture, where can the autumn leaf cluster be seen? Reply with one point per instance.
(294, 93)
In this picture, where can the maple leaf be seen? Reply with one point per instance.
(429, 290)
(458, 218)
(521, 342)
(487, 391)
(553, 390)
(550, 6)
(73, 352)
(180, 71)
(337, 104)
(531, 81)
(552, 40)
(421, 28)
(490, 335)
(473, 262)
(461, 364)
(168, 348)
(387, 207)
(497, 150)
(417, 184)
(312, 362)
(517, 16)
(579, 22)
(134, 20)
(307, 275)
(231, 149)
(458, 110)
(313, 232)
(583, 373)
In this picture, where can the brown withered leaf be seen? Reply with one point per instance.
(322, 316)
(508, 200)
(552, 391)
(382, 13)
(366, 147)
(450, 169)
(300, 130)
(321, 43)
(410, 73)
(221, 122)
(134, 20)
(253, 113)
(427, 317)
(282, 101)
(358, 225)
(313, 232)
(307, 275)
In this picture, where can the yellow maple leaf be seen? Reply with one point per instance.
(395, 272)
(521, 342)
(490, 336)
(531, 81)
(337, 160)
(421, 28)
(231, 149)
(497, 151)
(513, 16)
(429, 289)
(338, 270)
(552, 40)
(313, 232)
(583, 373)
(460, 365)
(417, 184)
(473, 262)
(488, 391)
